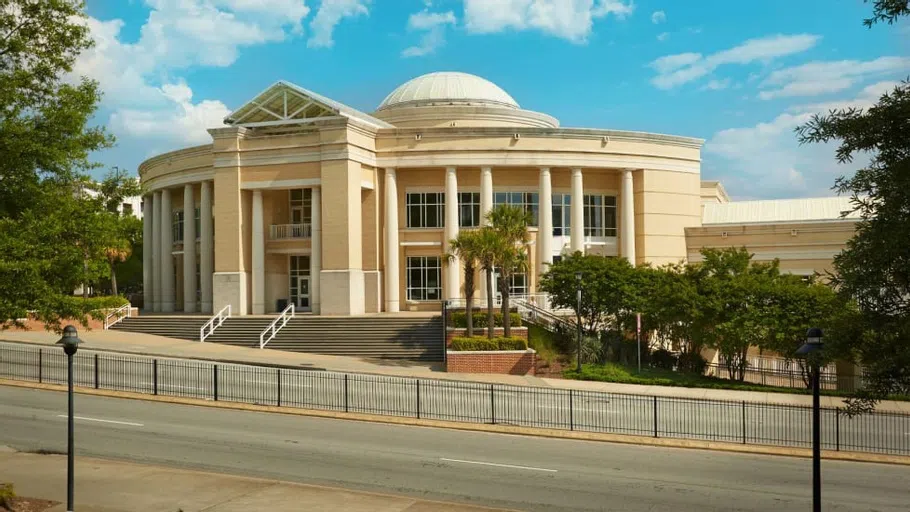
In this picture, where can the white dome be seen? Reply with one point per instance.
(448, 88)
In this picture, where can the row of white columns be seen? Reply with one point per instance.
(544, 233)
(157, 258)
(257, 276)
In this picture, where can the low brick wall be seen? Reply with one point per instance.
(33, 324)
(517, 332)
(510, 362)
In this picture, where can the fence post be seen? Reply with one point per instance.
(445, 331)
(655, 416)
(155, 375)
(744, 422)
(418, 399)
(571, 412)
(215, 381)
(837, 429)
(279, 386)
(345, 392)
(96, 371)
(40, 365)
(492, 406)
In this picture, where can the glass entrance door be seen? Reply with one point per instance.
(299, 274)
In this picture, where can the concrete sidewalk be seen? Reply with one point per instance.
(146, 344)
(109, 486)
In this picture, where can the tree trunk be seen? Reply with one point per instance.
(490, 298)
(85, 279)
(506, 320)
(469, 300)
(113, 279)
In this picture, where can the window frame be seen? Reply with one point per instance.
(422, 207)
(424, 266)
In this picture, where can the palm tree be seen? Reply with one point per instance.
(116, 253)
(466, 247)
(510, 225)
(488, 243)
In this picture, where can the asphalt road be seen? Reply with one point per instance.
(472, 402)
(491, 469)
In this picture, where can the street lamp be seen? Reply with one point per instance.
(70, 342)
(812, 351)
(578, 276)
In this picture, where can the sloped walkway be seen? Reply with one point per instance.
(146, 344)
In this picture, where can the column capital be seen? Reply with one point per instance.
(576, 171)
(451, 170)
(544, 170)
(390, 171)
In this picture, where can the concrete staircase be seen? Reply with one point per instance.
(386, 337)
(181, 327)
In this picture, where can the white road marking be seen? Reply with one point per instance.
(103, 421)
(510, 466)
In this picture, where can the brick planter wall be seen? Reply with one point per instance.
(510, 362)
(32, 324)
(517, 332)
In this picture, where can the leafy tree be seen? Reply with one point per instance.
(121, 231)
(510, 225)
(467, 248)
(874, 269)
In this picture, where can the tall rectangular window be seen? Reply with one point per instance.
(600, 215)
(424, 281)
(177, 227)
(518, 284)
(198, 223)
(469, 209)
(528, 201)
(301, 205)
(425, 210)
(562, 214)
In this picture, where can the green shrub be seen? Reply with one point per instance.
(7, 495)
(460, 321)
(478, 343)
(692, 363)
(663, 359)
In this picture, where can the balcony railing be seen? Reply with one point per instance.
(290, 231)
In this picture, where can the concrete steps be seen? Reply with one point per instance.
(181, 327)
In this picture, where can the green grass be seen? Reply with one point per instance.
(544, 342)
(613, 372)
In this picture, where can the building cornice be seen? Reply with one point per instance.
(171, 156)
(604, 136)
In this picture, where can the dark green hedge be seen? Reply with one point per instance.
(460, 320)
(479, 343)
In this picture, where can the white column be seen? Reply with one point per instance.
(166, 258)
(486, 193)
(453, 268)
(577, 242)
(316, 250)
(545, 223)
(258, 255)
(156, 251)
(189, 250)
(627, 200)
(206, 247)
(392, 283)
(147, 244)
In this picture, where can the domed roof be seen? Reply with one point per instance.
(448, 88)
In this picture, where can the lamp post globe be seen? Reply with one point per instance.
(70, 342)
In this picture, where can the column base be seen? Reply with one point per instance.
(167, 307)
(372, 285)
(230, 288)
(342, 292)
(206, 308)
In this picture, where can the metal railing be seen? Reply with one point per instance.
(287, 231)
(461, 401)
(117, 315)
(792, 378)
(215, 322)
(272, 330)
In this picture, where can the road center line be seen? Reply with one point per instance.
(83, 418)
(510, 466)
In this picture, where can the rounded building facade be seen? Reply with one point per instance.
(301, 199)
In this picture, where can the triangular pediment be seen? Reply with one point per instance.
(287, 104)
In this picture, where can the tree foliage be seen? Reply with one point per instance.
(509, 225)
(874, 270)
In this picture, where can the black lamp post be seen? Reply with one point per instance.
(578, 276)
(70, 342)
(812, 351)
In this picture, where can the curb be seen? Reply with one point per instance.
(495, 429)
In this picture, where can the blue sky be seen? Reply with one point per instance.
(741, 75)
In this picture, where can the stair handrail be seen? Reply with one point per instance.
(535, 312)
(214, 323)
(273, 328)
(118, 315)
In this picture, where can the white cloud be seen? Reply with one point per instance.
(815, 78)
(330, 13)
(658, 17)
(433, 25)
(141, 93)
(663, 36)
(767, 160)
(676, 70)
(717, 85)
(569, 19)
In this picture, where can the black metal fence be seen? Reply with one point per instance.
(715, 420)
(792, 377)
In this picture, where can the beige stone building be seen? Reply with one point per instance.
(302, 200)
